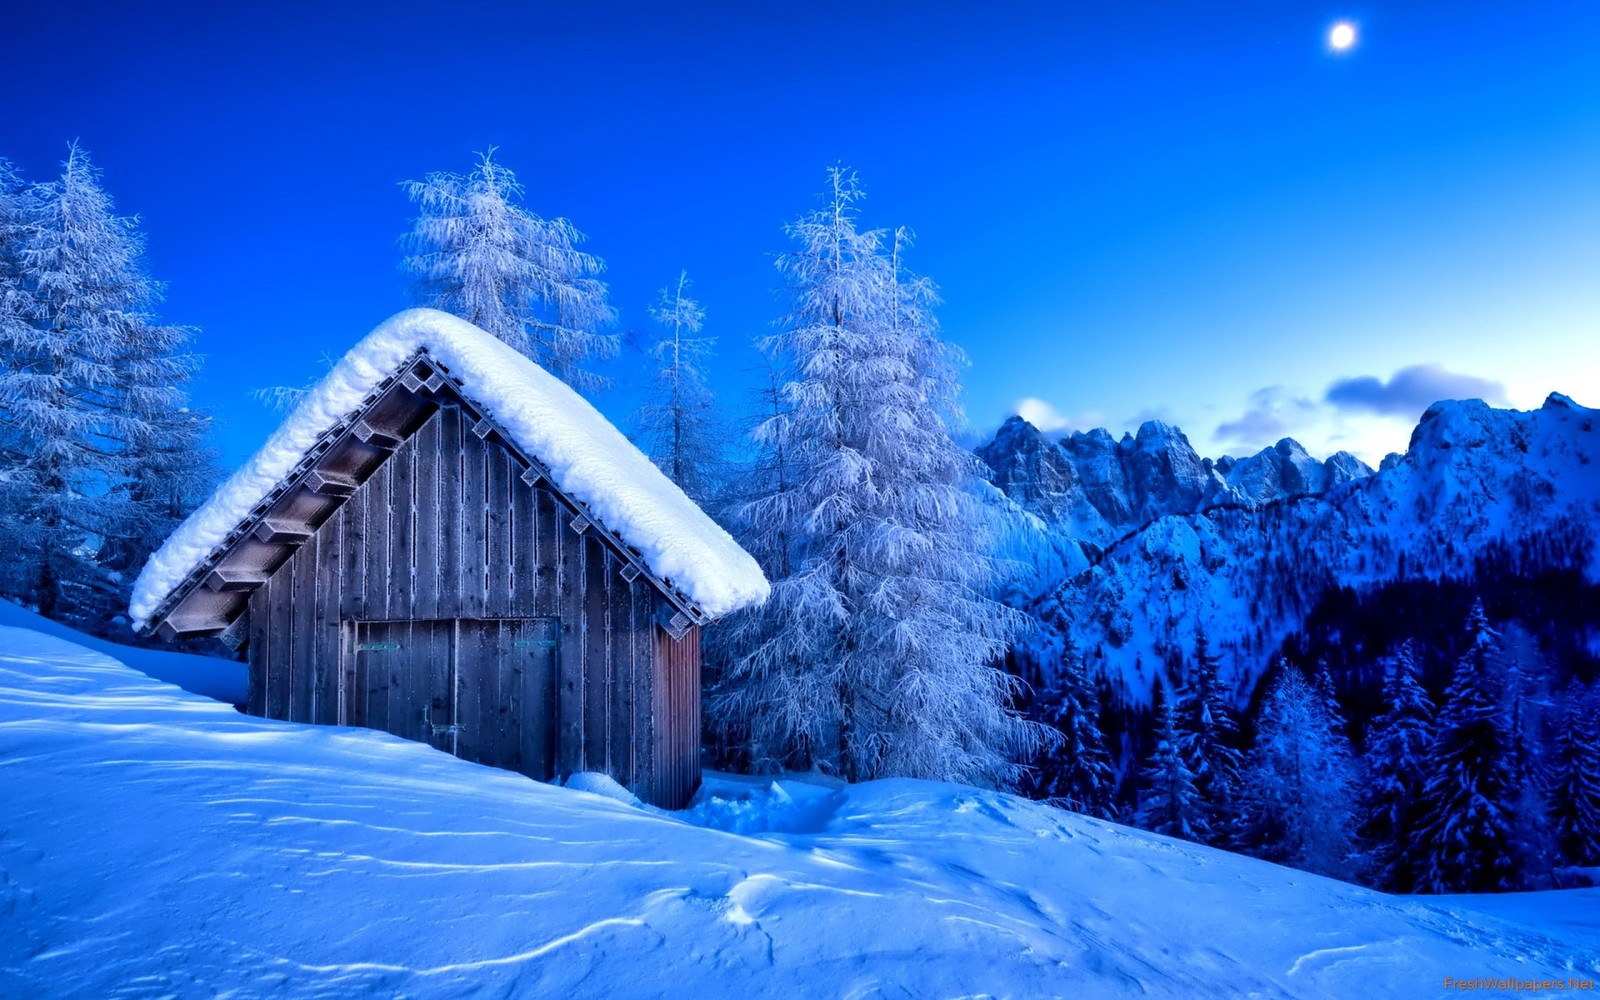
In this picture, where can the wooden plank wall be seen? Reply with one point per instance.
(677, 711)
(447, 529)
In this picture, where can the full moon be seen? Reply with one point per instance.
(1342, 37)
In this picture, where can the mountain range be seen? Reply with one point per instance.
(1128, 548)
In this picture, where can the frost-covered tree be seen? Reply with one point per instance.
(1524, 700)
(1465, 835)
(1075, 773)
(17, 216)
(1322, 680)
(166, 469)
(1299, 781)
(1575, 779)
(80, 264)
(14, 220)
(1206, 736)
(677, 421)
(876, 653)
(475, 251)
(101, 454)
(1397, 746)
(1171, 803)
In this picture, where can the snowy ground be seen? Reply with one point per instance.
(224, 680)
(154, 843)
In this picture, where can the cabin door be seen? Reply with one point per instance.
(507, 671)
(482, 689)
(401, 680)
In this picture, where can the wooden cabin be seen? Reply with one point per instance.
(448, 544)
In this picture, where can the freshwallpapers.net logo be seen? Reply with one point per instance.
(1501, 984)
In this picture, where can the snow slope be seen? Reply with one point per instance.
(158, 844)
(223, 680)
(587, 457)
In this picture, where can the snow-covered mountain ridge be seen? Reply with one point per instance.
(1244, 548)
(156, 843)
(1096, 488)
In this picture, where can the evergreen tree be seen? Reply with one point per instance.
(167, 468)
(876, 653)
(14, 221)
(18, 212)
(57, 389)
(1524, 702)
(1077, 773)
(1465, 838)
(102, 454)
(1575, 779)
(1397, 744)
(677, 421)
(1206, 733)
(1171, 803)
(1329, 696)
(1299, 781)
(478, 253)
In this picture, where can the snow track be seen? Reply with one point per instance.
(157, 844)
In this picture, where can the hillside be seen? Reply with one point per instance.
(159, 844)
(1162, 543)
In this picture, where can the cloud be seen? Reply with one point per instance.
(1149, 413)
(1411, 391)
(1272, 414)
(1043, 415)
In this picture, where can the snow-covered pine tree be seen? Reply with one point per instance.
(1171, 803)
(928, 573)
(1322, 680)
(677, 421)
(165, 464)
(102, 454)
(1206, 734)
(1299, 781)
(17, 210)
(58, 390)
(1465, 838)
(1575, 779)
(1076, 773)
(875, 654)
(475, 251)
(1525, 701)
(18, 309)
(13, 227)
(739, 739)
(1397, 745)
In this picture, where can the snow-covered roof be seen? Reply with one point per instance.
(586, 457)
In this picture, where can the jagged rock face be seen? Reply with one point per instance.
(1096, 457)
(1245, 547)
(1096, 488)
(1286, 470)
(1343, 467)
(1165, 472)
(1033, 470)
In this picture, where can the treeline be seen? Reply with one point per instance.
(1487, 779)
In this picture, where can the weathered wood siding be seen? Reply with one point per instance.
(446, 531)
(677, 705)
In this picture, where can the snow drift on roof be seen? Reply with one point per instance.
(587, 457)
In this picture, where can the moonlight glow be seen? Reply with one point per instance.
(1342, 37)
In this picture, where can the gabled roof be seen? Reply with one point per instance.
(354, 417)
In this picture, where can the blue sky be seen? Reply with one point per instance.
(1193, 211)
